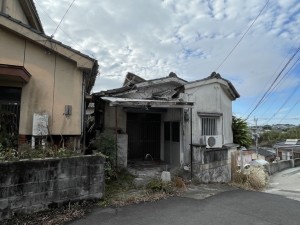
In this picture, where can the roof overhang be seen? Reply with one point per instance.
(14, 73)
(129, 102)
(83, 62)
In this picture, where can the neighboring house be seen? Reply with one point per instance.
(250, 155)
(288, 149)
(167, 118)
(41, 76)
(267, 154)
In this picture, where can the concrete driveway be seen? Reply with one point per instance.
(286, 183)
(230, 208)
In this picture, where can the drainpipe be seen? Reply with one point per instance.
(191, 144)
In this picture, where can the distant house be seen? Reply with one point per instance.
(41, 76)
(172, 120)
(288, 149)
(251, 154)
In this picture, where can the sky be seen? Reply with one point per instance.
(191, 38)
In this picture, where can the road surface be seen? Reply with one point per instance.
(238, 207)
(286, 183)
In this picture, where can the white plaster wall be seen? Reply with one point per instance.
(209, 98)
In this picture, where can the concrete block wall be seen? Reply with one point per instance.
(211, 165)
(282, 165)
(32, 185)
(297, 162)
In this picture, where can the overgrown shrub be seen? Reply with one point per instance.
(253, 178)
(26, 152)
(105, 144)
(157, 185)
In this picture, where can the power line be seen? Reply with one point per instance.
(235, 46)
(63, 18)
(273, 83)
(276, 87)
(284, 103)
(74, 42)
(278, 67)
(284, 117)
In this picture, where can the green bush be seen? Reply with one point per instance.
(105, 144)
(157, 185)
(26, 152)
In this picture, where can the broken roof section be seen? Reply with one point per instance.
(165, 88)
(163, 92)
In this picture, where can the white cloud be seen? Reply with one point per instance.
(191, 38)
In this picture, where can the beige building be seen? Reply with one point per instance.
(39, 75)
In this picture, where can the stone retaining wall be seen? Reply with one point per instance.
(211, 165)
(32, 185)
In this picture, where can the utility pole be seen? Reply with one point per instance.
(256, 135)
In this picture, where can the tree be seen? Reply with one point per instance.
(241, 134)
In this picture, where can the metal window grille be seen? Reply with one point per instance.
(209, 125)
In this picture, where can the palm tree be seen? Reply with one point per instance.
(241, 134)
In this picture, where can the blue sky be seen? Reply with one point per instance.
(191, 38)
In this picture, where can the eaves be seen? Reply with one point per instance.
(83, 61)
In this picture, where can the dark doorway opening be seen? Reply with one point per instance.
(10, 98)
(143, 135)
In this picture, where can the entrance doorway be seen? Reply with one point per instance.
(143, 131)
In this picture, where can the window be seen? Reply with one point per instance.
(210, 123)
(172, 131)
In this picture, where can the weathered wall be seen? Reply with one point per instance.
(297, 162)
(122, 150)
(275, 167)
(211, 165)
(110, 118)
(209, 98)
(32, 185)
(55, 82)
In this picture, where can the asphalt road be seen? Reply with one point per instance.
(231, 207)
(286, 183)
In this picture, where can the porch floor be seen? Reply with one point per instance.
(146, 170)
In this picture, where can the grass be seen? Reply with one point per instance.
(253, 178)
(121, 191)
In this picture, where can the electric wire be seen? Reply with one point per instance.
(273, 83)
(291, 109)
(284, 103)
(71, 39)
(279, 83)
(235, 46)
(63, 18)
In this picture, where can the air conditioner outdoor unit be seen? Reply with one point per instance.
(213, 141)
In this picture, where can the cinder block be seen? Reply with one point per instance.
(4, 192)
(3, 203)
